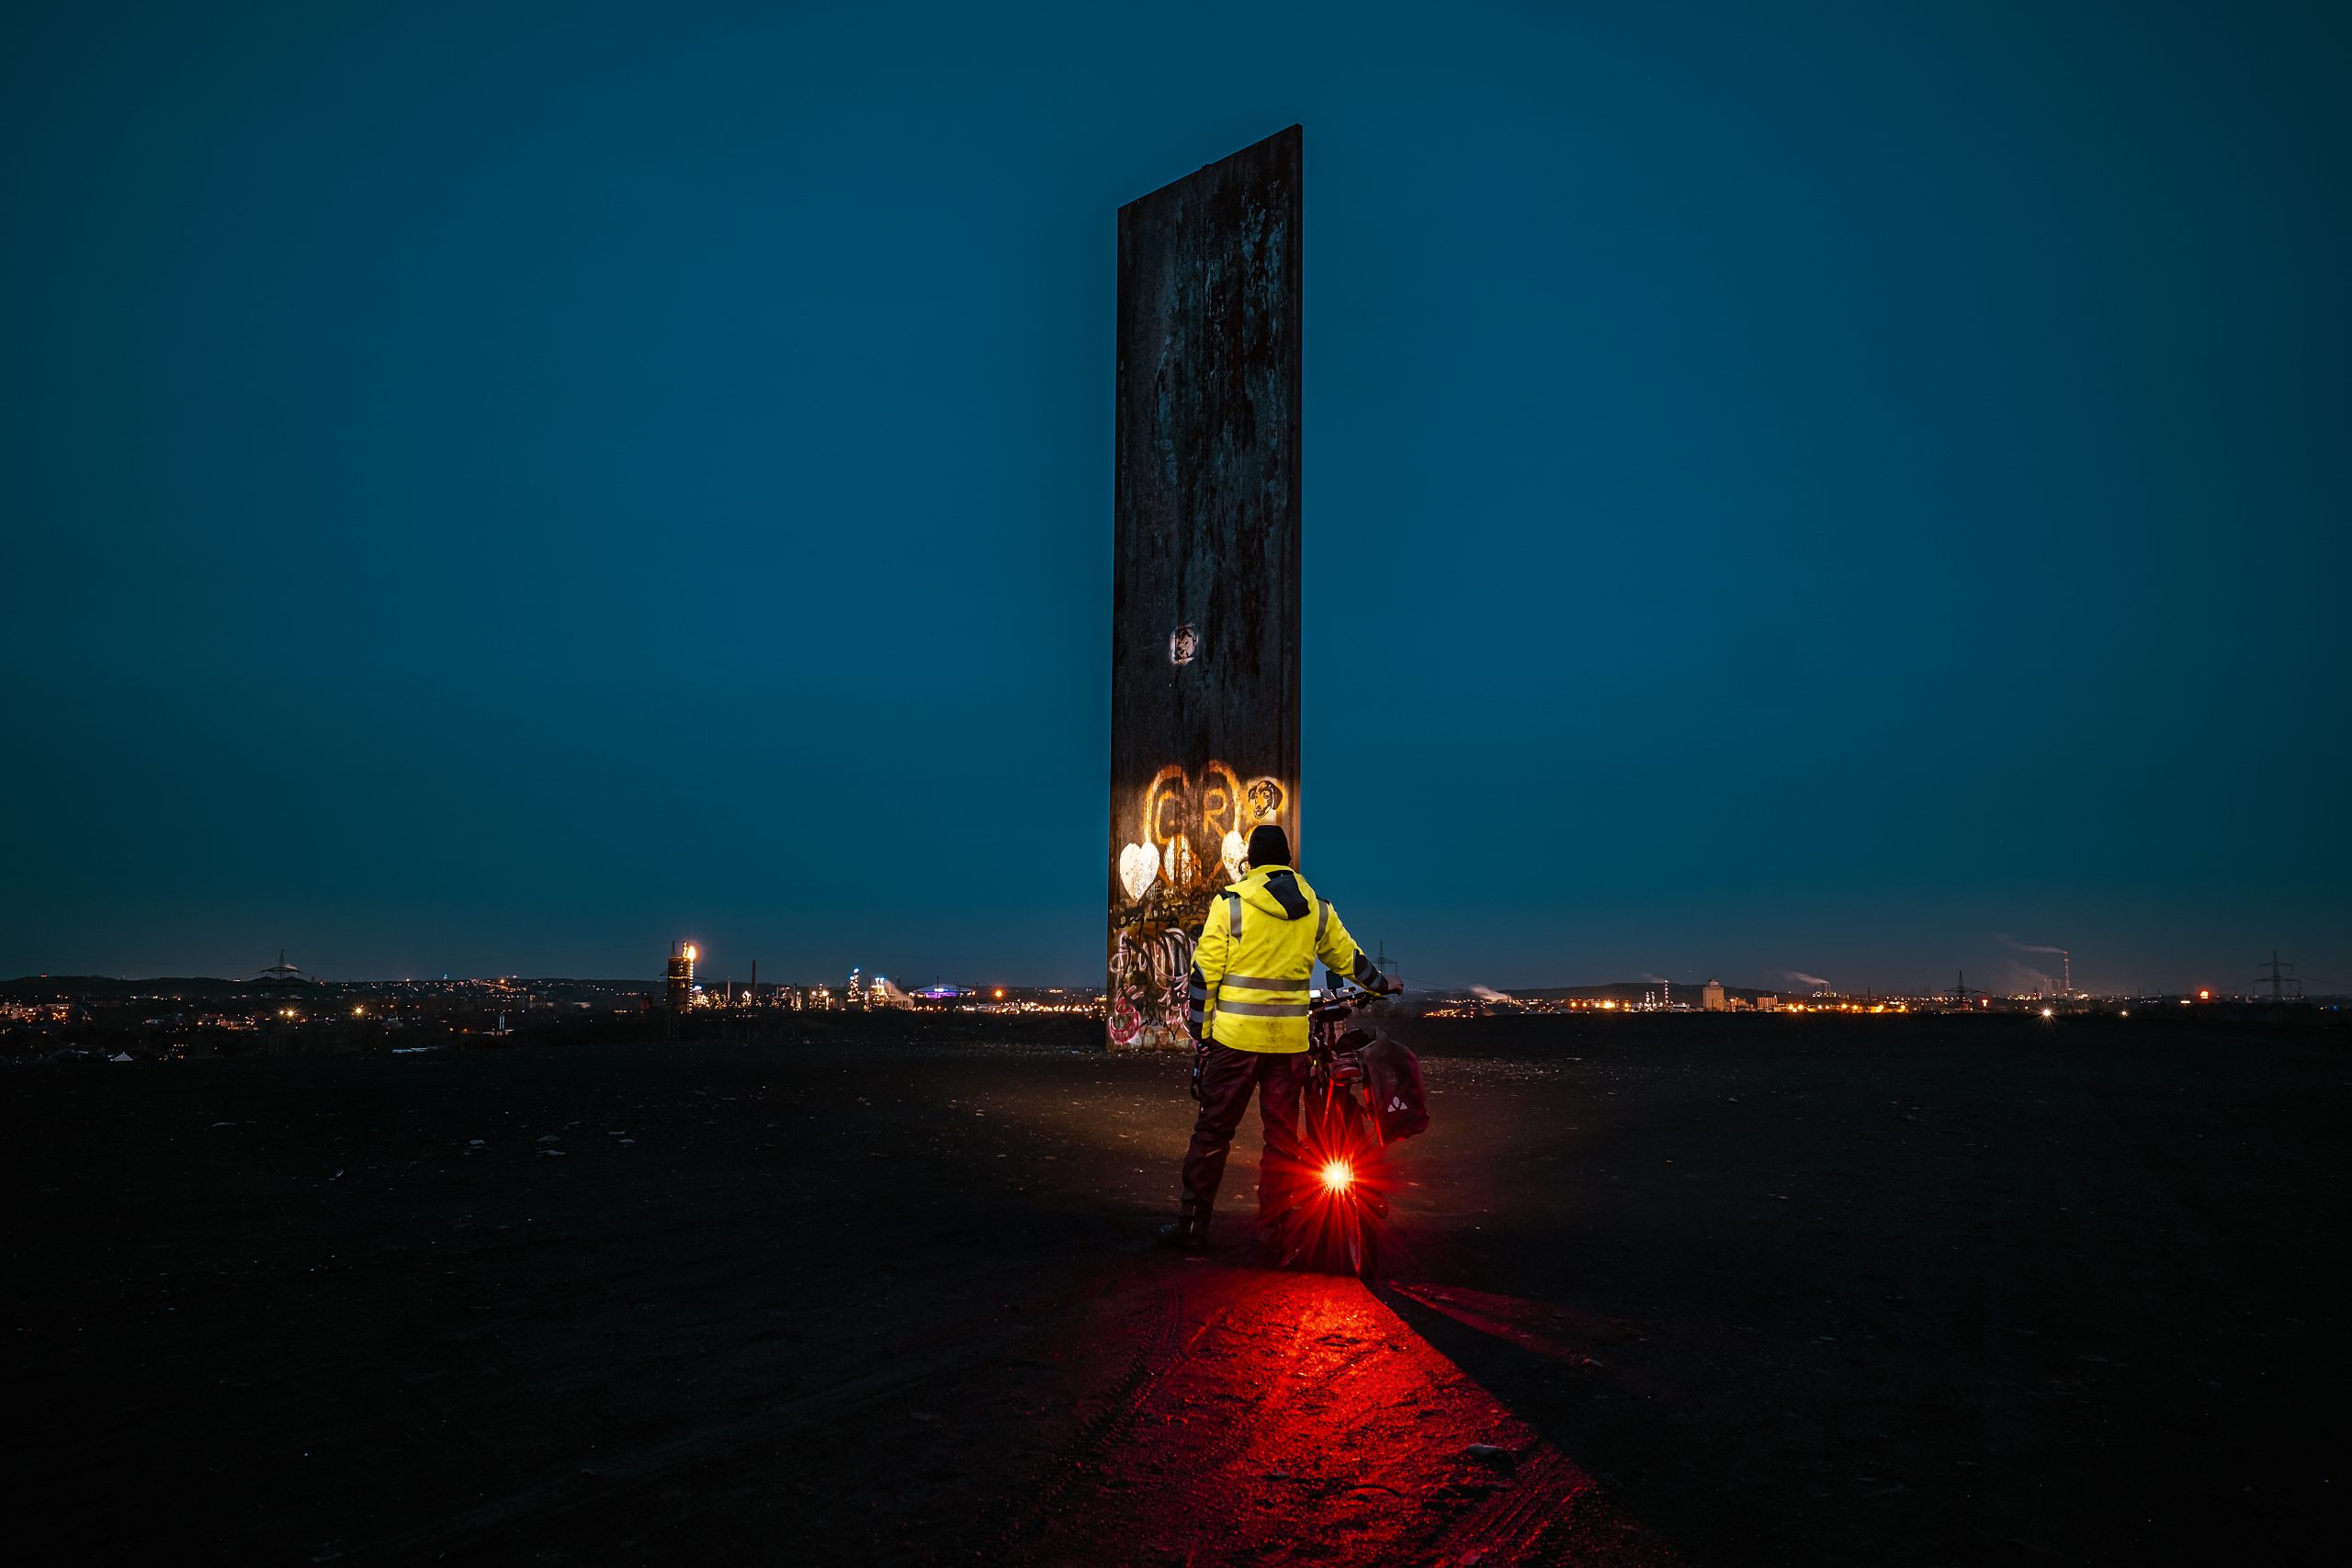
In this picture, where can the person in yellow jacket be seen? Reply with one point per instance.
(1249, 996)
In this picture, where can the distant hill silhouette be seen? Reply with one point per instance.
(32, 988)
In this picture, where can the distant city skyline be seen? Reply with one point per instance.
(2011, 979)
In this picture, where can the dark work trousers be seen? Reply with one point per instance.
(1227, 1078)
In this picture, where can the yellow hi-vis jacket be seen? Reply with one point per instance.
(1257, 954)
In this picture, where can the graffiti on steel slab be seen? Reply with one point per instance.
(1191, 834)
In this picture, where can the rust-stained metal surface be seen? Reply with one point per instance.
(1204, 611)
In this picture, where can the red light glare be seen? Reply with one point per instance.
(1337, 1175)
(2204, 996)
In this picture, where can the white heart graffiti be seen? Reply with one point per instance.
(1138, 868)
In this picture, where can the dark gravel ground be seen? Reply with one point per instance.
(1724, 1290)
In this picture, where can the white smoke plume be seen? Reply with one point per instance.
(1489, 994)
(1799, 976)
(2011, 943)
(2018, 980)
(1657, 979)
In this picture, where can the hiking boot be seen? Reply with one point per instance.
(1186, 1233)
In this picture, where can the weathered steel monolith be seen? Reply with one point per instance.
(1204, 597)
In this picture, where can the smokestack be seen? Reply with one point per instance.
(2066, 973)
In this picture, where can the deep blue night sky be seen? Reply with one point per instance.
(494, 488)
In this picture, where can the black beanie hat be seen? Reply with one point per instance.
(1269, 845)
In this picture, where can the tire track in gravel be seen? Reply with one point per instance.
(1020, 1537)
(1256, 1345)
(1551, 1514)
(1052, 1525)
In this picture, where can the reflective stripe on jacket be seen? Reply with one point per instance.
(1254, 965)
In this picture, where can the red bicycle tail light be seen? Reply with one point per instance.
(1337, 1175)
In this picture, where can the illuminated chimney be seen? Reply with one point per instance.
(682, 975)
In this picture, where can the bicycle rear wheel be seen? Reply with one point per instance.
(1363, 1250)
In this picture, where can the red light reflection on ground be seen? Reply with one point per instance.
(1248, 1415)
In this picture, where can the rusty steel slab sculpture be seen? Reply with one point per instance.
(1204, 606)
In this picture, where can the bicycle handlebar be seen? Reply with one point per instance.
(1346, 996)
